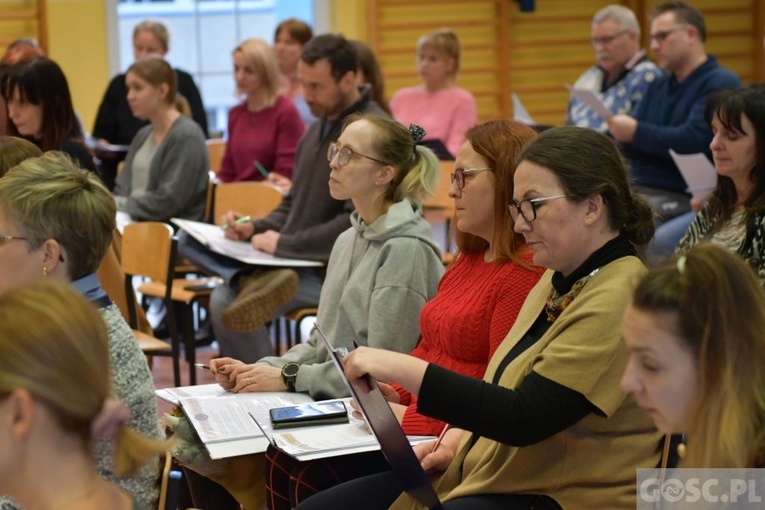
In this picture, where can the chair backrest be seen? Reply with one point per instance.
(440, 199)
(216, 147)
(148, 250)
(255, 199)
(210, 197)
(112, 280)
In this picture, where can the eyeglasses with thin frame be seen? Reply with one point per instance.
(527, 209)
(459, 174)
(345, 153)
(607, 39)
(4, 238)
(661, 36)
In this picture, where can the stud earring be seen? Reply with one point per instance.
(45, 271)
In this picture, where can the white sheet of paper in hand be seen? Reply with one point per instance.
(589, 98)
(520, 113)
(699, 173)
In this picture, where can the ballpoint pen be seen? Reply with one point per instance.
(440, 438)
(261, 168)
(202, 365)
(238, 221)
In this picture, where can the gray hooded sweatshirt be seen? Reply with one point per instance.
(378, 279)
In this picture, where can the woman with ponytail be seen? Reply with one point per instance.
(56, 222)
(51, 391)
(547, 427)
(695, 333)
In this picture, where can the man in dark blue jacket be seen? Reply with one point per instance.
(672, 113)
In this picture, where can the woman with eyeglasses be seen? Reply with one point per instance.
(477, 302)
(381, 271)
(548, 427)
(56, 224)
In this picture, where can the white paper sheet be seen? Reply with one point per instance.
(520, 113)
(589, 98)
(699, 173)
(224, 424)
(213, 237)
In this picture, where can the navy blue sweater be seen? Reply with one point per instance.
(671, 116)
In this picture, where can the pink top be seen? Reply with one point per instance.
(269, 136)
(445, 114)
(475, 307)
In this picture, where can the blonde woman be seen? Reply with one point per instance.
(263, 130)
(695, 365)
(166, 169)
(50, 396)
(438, 105)
(56, 222)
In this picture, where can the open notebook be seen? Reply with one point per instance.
(390, 435)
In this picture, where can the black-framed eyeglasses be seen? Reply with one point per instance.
(345, 153)
(4, 238)
(459, 174)
(527, 209)
(661, 36)
(607, 39)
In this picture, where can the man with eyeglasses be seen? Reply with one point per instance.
(671, 114)
(623, 71)
(307, 222)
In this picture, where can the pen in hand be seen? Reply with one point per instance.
(238, 221)
(202, 365)
(440, 438)
(261, 169)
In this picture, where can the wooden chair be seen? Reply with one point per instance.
(440, 207)
(112, 280)
(254, 199)
(297, 316)
(216, 148)
(148, 250)
(169, 484)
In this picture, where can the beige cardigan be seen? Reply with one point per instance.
(592, 463)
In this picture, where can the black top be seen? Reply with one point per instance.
(116, 123)
(538, 408)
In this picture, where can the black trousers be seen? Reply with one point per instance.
(381, 490)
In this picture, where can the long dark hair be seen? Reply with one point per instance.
(728, 107)
(40, 81)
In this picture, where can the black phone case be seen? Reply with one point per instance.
(307, 421)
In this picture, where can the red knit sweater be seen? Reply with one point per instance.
(475, 306)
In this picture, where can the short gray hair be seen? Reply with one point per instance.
(619, 14)
(157, 28)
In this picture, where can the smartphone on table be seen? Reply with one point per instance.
(315, 413)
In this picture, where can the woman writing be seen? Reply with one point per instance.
(525, 436)
(57, 222)
(166, 169)
(264, 129)
(477, 302)
(695, 366)
(734, 217)
(40, 108)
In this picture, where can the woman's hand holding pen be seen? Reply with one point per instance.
(281, 182)
(237, 230)
(438, 459)
(221, 368)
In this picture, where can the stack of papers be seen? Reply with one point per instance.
(224, 423)
(213, 237)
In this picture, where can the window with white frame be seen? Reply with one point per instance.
(203, 33)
